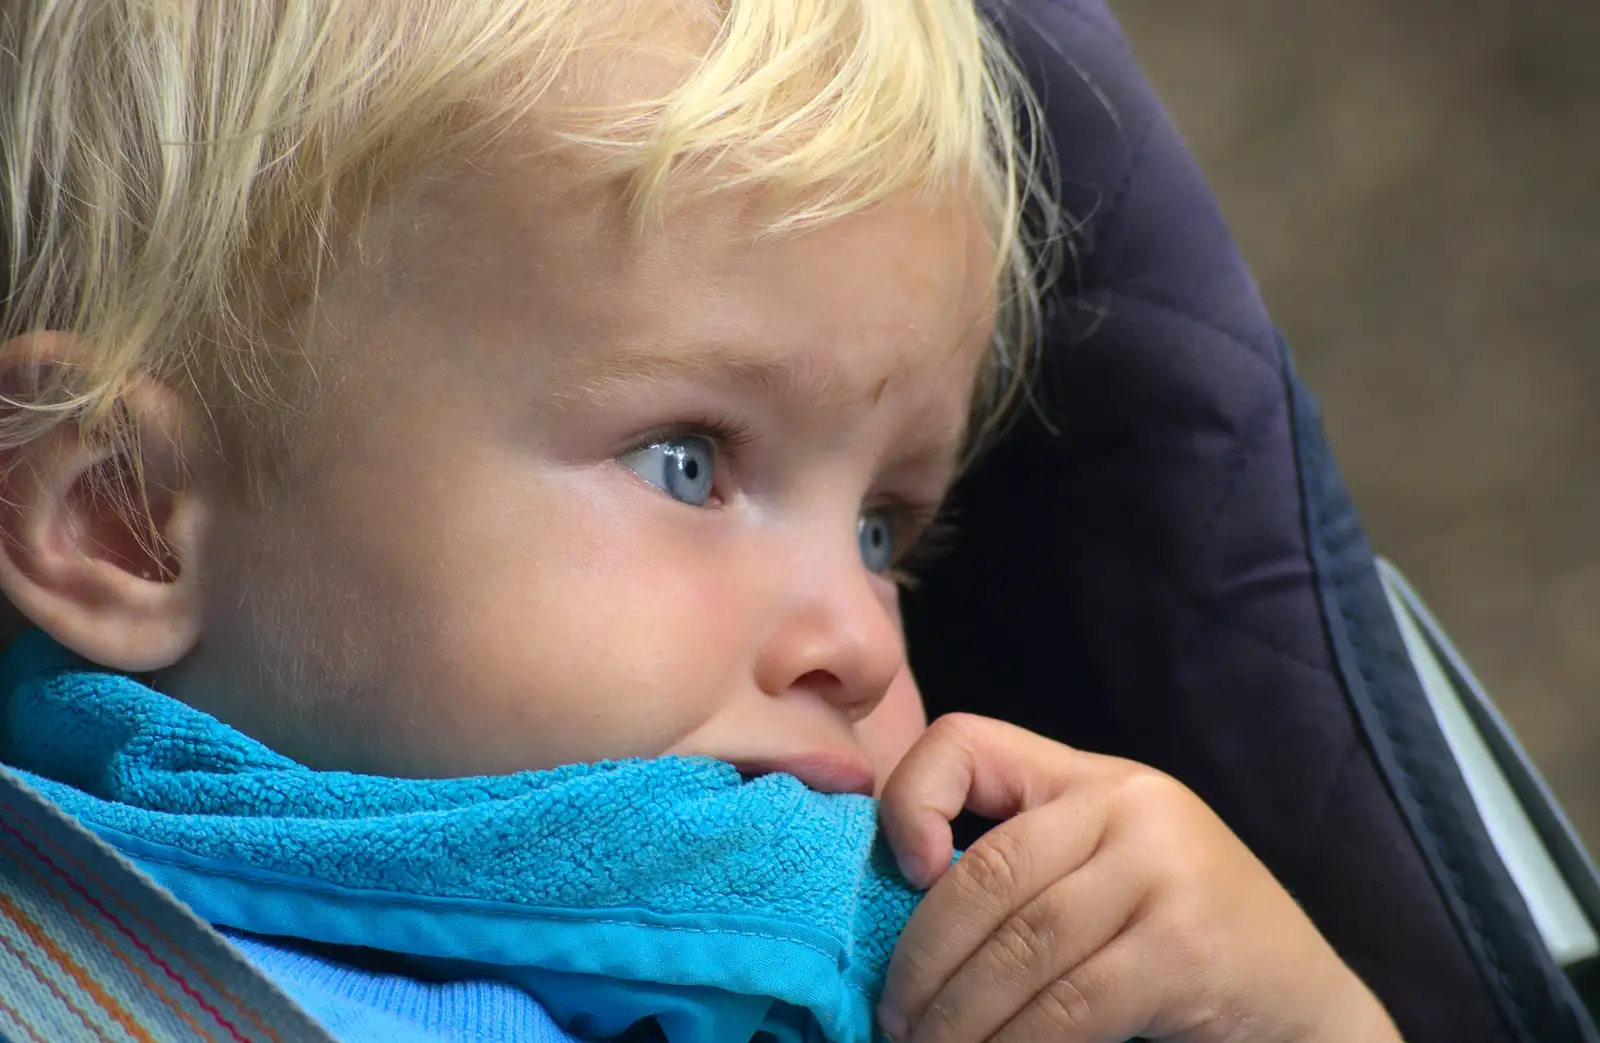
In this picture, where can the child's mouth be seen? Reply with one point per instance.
(823, 771)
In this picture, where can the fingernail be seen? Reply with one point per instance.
(914, 872)
(892, 1022)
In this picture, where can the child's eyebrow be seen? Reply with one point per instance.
(785, 378)
(822, 391)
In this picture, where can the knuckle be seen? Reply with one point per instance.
(1146, 786)
(953, 727)
(995, 865)
(1026, 941)
(939, 1023)
(1065, 1008)
(917, 961)
(1157, 802)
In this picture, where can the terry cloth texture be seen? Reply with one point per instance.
(668, 889)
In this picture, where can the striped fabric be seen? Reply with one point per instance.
(91, 949)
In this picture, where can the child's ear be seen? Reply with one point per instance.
(99, 543)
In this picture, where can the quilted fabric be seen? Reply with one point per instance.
(1162, 563)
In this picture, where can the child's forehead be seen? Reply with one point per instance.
(554, 234)
(658, 196)
(536, 269)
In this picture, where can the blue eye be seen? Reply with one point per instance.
(875, 535)
(682, 467)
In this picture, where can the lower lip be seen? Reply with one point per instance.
(821, 772)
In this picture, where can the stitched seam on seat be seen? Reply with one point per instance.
(1425, 816)
(1259, 426)
(1256, 428)
(1404, 762)
(1185, 597)
(1354, 751)
(1108, 31)
(1235, 467)
(1424, 819)
(1260, 353)
(1114, 210)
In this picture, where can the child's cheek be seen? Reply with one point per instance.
(576, 619)
(613, 677)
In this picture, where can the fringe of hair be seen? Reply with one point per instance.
(174, 174)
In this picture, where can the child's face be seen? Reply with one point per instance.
(575, 493)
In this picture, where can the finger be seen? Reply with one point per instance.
(1010, 867)
(964, 762)
(1060, 929)
(1111, 997)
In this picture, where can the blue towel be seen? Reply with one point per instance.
(669, 888)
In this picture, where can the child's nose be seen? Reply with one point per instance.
(840, 642)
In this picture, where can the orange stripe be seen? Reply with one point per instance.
(88, 872)
(138, 942)
(77, 973)
(77, 913)
(49, 983)
(14, 1015)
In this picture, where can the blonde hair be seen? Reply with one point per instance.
(177, 172)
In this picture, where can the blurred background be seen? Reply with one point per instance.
(1417, 187)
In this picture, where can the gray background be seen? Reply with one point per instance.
(1416, 184)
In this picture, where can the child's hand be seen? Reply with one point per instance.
(1112, 903)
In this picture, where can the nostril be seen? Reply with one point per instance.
(854, 701)
(823, 682)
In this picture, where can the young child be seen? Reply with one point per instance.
(434, 391)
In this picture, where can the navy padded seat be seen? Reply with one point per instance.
(1162, 563)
